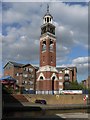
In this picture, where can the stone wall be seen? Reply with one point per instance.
(58, 99)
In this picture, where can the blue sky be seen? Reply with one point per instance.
(21, 33)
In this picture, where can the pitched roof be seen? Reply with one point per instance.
(15, 64)
(64, 68)
(36, 67)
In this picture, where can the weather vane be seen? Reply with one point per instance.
(47, 8)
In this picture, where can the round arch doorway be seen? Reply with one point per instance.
(53, 78)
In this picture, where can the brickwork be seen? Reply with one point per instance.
(9, 72)
(48, 78)
(29, 77)
(25, 75)
(14, 72)
(47, 56)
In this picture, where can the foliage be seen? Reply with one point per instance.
(88, 90)
(76, 86)
(7, 90)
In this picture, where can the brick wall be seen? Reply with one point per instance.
(47, 55)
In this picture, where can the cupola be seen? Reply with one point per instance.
(47, 17)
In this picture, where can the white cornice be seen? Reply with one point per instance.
(47, 68)
(47, 36)
(67, 68)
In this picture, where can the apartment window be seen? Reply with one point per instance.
(60, 78)
(31, 69)
(60, 83)
(17, 81)
(31, 88)
(26, 89)
(20, 74)
(24, 69)
(25, 75)
(25, 82)
(60, 72)
(32, 76)
(27, 69)
(31, 82)
(17, 74)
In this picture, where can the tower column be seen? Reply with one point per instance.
(47, 75)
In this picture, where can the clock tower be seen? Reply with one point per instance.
(47, 75)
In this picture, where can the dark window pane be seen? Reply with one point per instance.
(47, 19)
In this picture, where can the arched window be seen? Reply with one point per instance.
(51, 45)
(45, 19)
(41, 78)
(53, 78)
(44, 46)
(66, 77)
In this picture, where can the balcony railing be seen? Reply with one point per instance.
(47, 92)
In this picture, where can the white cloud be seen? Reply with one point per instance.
(81, 60)
(21, 28)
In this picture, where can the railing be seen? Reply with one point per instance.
(47, 92)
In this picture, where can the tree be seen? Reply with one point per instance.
(76, 86)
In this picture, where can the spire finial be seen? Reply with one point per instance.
(47, 8)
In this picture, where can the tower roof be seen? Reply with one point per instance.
(48, 13)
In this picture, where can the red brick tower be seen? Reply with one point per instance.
(47, 75)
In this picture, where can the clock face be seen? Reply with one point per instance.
(66, 77)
